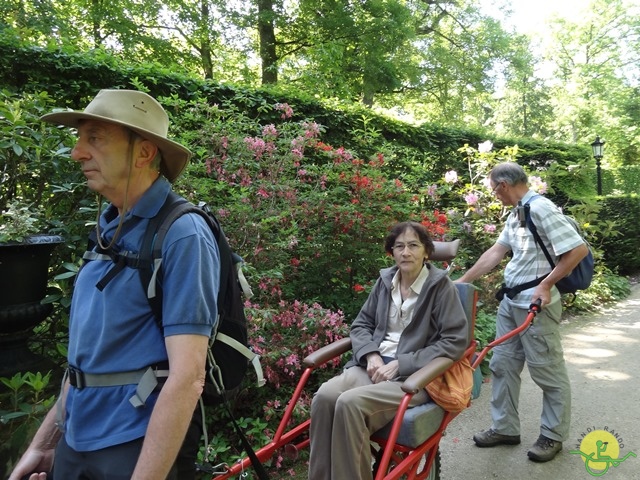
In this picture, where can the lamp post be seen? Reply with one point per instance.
(596, 146)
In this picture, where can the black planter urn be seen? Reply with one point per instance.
(24, 269)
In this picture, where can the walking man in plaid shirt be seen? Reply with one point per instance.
(539, 346)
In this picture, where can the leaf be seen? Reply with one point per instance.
(17, 149)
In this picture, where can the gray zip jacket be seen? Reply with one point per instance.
(438, 327)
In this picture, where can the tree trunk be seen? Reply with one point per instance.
(267, 42)
(205, 45)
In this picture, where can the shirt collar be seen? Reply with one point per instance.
(418, 283)
(152, 200)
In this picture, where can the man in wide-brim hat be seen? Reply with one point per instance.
(112, 420)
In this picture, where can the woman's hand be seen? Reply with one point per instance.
(386, 372)
(374, 363)
(378, 371)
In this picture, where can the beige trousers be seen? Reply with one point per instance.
(345, 411)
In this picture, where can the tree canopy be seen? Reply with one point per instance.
(444, 61)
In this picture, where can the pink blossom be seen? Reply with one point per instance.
(451, 176)
(471, 198)
(432, 190)
(287, 111)
(537, 185)
(312, 129)
(255, 145)
(342, 155)
(269, 131)
(490, 228)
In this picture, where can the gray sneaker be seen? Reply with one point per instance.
(544, 449)
(491, 438)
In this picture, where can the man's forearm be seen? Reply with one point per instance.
(166, 431)
(487, 262)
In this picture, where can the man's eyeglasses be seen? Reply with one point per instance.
(399, 247)
(493, 192)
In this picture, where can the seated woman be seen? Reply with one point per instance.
(412, 316)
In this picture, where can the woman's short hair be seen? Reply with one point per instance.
(399, 228)
(509, 172)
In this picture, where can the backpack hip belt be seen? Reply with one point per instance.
(511, 292)
(146, 380)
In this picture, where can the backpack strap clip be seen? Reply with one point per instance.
(146, 380)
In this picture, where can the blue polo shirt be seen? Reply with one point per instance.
(114, 330)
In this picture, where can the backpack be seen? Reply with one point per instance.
(228, 356)
(581, 276)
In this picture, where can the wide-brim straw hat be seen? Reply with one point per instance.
(134, 110)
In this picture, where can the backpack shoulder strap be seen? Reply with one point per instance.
(534, 230)
(511, 292)
(151, 248)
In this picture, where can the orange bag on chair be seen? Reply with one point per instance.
(452, 389)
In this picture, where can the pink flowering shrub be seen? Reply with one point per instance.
(296, 329)
(309, 219)
(283, 338)
(473, 211)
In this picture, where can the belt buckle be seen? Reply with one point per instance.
(77, 375)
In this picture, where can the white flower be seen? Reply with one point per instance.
(485, 147)
(451, 176)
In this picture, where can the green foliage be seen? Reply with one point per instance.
(620, 180)
(485, 333)
(595, 54)
(455, 65)
(76, 78)
(224, 446)
(30, 151)
(18, 222)
(41, 190)
(571, 182)
(622, 252)
(23, 405)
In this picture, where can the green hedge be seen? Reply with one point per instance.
(419, 155)
(75, 78)
(623, 251)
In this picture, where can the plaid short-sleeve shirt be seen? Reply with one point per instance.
(529, 262)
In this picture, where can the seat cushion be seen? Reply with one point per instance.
(418, 425)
